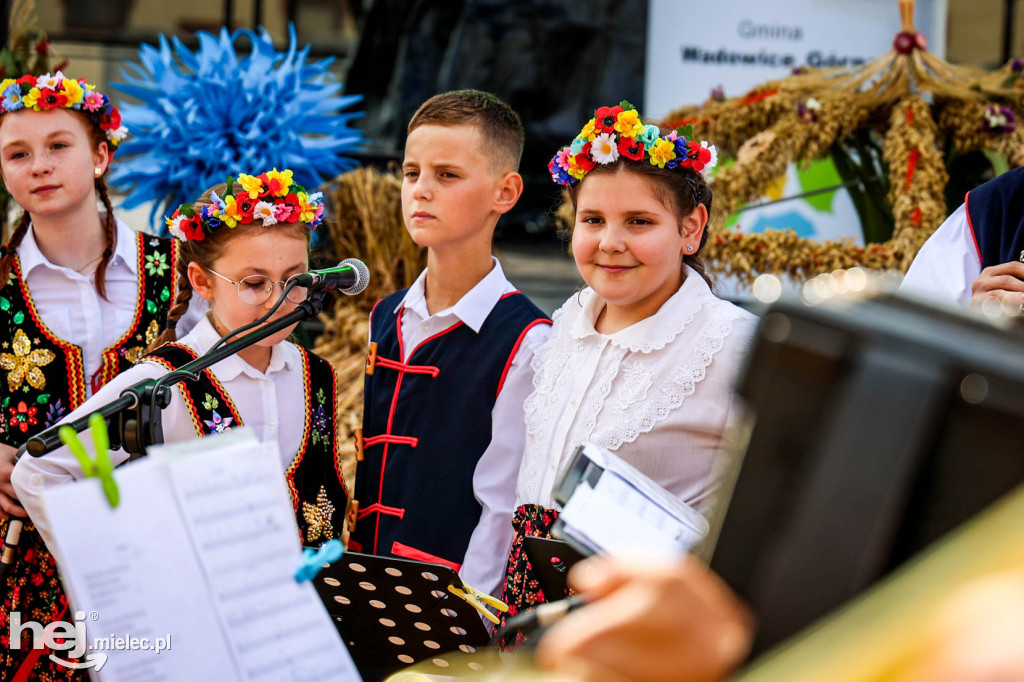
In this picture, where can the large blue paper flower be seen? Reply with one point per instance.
(213, 113)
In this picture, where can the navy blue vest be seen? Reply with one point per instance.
(996, 213)
(426, 423)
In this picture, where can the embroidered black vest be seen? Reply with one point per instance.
(996, 220)
(42, 376)
(426, 423)
(315, 482)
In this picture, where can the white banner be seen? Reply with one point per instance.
(693, 47)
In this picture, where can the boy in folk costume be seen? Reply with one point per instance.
(449, 361)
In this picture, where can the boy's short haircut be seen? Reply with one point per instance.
(498, 123)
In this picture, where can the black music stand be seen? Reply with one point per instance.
(395, 612)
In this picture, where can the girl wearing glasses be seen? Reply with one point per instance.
(240, 245)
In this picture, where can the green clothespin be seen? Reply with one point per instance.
(101, 468)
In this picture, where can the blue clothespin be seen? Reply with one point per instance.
(101, 468)
(314, 560)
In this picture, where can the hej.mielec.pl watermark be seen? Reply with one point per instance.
(73, 640)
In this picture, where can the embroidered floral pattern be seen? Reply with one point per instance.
(156, 263)
(54, 413)
(24, 365)
(23, 417)
(318, 517)
(218, 424)
(320, 426)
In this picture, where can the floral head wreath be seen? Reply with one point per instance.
(266, 199)
(618, 132)
(54, 91)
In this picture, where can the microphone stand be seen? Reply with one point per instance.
(135, 415)
(134, 420)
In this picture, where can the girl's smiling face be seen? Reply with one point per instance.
(629, 244)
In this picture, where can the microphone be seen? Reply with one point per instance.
(350, 276)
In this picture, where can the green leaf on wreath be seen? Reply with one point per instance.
(19, 317)
(5, 305)
(43, 398)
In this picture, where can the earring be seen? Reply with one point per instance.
(99, 171)
(689, 247)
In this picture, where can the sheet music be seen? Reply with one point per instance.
(248, 544)
(140, 579)
(203, 547)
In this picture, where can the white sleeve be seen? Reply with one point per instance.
(947, 264)
(32, 474)
(494, 480)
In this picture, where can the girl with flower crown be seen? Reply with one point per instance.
(82, 297)
(241, 244)
(641, 362)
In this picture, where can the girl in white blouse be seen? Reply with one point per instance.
(239, 253)
(642, 361)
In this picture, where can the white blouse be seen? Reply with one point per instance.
(269, 402)
(668, 378)
(947, 264)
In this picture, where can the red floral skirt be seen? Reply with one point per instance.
(522, 588)
(32, 588)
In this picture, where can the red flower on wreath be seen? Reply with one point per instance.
(604, 119)
(51, 99)
(111, 119)
(292, 201)
(631, 149)
(193, 228)
(246, 205)
(583, 159)
(23, 416)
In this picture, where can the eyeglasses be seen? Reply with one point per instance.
(257, 289)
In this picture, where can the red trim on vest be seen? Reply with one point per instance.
(380, 509)
(970, 225)
(391, 409)
(515, 349)
(398, 549)
(388, 438)
(307, 428)
(411, 369)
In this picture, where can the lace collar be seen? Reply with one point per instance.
(652, 333)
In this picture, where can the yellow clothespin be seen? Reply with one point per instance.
(101, 468)
(478, 599)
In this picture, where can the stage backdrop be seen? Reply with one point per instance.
(732, 45)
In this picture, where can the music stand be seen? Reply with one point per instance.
(395, 612)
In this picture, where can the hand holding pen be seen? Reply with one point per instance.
(647, 619)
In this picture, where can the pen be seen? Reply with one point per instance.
(541, 616)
